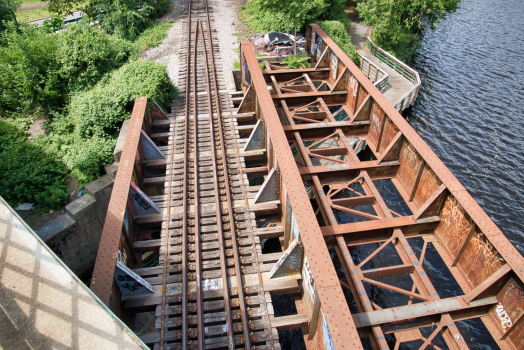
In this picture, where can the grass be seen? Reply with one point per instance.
(152, 36)
(26, 16)
(31, 15)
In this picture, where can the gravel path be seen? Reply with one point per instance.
(227, 23)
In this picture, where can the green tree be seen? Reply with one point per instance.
(398, 24)
(126, 18)
(7, 12)
(295, 12)
(62, 7)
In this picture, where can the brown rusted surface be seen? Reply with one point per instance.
(510, 310)
(102, 282)
(410, 163)
(389, 133)
(312, 239)
(480, 260)
(429, 183)
(377, 124)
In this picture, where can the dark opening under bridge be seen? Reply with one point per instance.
(205, 189)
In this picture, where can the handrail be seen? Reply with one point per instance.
(380, 83)
(400, 67)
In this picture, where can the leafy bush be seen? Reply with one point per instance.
(28, 70)
(30, 174)
(397, 25)
(85, 138)
(96, 112)
(335, 12)
(122, 17)
(294, 62)
(262, 21)
(10, 135)
(337, 32)
(85, 53)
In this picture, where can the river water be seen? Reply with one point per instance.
(470, 111)
(470, 108)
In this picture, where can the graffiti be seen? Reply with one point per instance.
(141, 201)
(354, 85)
(308, 279)
(376, 125)
(313, 34)
(319, 47)
(130, 287)
(505, 321)
(334, 63)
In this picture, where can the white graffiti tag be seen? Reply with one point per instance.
(504, 317)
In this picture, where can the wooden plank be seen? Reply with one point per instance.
(284, 323)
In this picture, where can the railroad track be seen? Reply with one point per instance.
(207, 248)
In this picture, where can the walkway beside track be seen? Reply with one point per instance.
(397, 86)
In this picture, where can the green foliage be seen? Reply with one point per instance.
(86, 81)
(121, 17)
(62, 7)
(277, 15)
(41, 70)
(55, 22)
(96, 112)
(30, 175)
(85, 138)
(294, 62)
(398, 24)
(7, 10)
(152, 36)
(338, 33)
(10, 135)
(334, 12)
(28, 69)
(85, 53)
(236, 64)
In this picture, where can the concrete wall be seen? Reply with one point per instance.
(75, 236)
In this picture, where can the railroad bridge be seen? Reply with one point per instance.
(308, 161)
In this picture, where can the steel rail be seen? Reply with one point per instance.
(200, 313)
(241, 296)
(223, 263)
(184, 211)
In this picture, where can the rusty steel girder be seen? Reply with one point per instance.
(297, 111)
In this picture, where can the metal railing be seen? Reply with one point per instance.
(377, 76)
(401, 68)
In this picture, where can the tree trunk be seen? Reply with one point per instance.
(295, 42)
(287, 29)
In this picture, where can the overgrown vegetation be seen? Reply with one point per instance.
(338, 33)
(275, 15)
(84, 80)
(27, 172)
(297, 61)
(397, 25)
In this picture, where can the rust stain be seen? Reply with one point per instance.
(410, 163)
(390, 131)
(429, 183)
